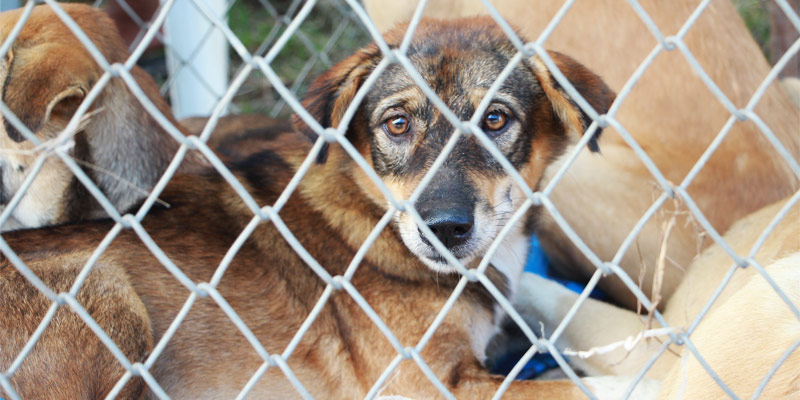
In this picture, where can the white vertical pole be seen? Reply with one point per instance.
(186, 28)
(6, 5)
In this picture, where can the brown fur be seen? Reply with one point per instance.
(57, 366)
(271, 287)
(236, 137)
(45, 76)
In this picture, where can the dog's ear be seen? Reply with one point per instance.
(44, 82)
(586, 82)
(331, 93)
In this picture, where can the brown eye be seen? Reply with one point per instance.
(397, 125)
(495, 121)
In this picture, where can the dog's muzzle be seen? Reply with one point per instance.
(453, 227)
(448, 209)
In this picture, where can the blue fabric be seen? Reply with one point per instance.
(537, 263)
(537, 365)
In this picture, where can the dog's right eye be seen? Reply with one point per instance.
(495, 122)
(396, 125)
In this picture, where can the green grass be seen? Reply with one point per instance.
(756, 15)
(252, 24)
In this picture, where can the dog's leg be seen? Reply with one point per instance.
(477, 383)
(469, 379)
(57, 366)
(543, 302)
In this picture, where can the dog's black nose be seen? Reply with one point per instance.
(452, 227)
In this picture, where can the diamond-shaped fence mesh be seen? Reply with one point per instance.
(272, 64)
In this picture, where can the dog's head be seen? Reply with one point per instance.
(400, 132)
(45, 76)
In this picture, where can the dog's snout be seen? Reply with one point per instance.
(452, 227)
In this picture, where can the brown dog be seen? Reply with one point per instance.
(670, 113)
(45, 76)
(403, 279)
(236, 137)
(674, 117)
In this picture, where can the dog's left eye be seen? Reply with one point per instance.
(396, 125)
(495, 121)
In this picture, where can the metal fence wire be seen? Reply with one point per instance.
(353, 17)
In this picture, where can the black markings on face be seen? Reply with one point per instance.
(459, 70)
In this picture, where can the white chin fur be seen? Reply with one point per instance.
(509, 257)
(444, 267)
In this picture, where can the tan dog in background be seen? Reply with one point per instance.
(670, 113)
(45, 76)
(746, 331)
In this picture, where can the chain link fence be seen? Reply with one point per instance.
(258, 69)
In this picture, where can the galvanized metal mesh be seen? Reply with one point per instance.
(263, 60)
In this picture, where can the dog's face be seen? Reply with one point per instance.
(35, 90)
(401, 133)
(44, 78)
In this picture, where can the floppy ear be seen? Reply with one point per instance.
(331, 93)
(45, 82)
(586, 82)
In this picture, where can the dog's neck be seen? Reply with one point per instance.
(332, 191)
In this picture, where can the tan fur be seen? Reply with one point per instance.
(46, 75)
(791, 85)
(753, 342)
(746, 331)
(273, 290)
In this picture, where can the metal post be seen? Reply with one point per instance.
(195, 42)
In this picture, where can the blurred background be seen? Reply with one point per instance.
(193, 61)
